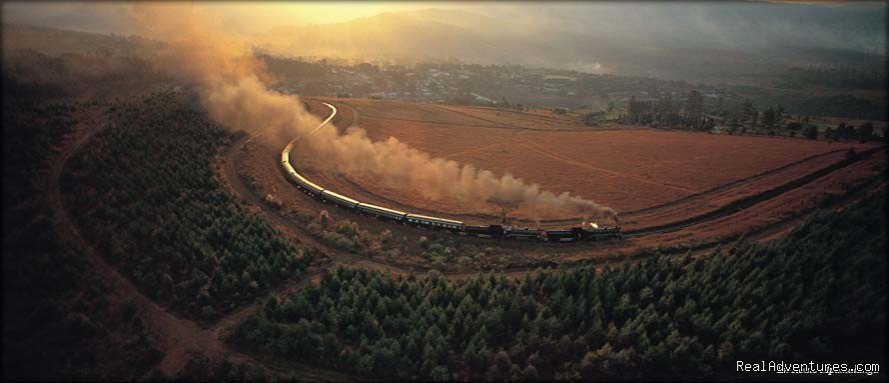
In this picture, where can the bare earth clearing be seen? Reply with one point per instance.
(691, 181)
(628, 170)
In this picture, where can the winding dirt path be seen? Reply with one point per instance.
(176, 334)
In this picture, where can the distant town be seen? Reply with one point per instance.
(590, 98)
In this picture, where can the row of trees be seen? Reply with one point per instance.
(815, 294)
(147, 193)
(666, 112)
(742, 118)
(843, 132)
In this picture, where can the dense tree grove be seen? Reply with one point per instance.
(56, 318)
(147, 193)
(665, 112)
(844, 132)
(29, 131)
(817, 293)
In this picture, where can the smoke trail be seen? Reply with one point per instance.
(231, 85)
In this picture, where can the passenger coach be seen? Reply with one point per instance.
(424, 220)
(381, 212)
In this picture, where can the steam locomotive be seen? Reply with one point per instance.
(570, 235)
(491, 231)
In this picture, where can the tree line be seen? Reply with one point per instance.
(667, 112)
(743, 118)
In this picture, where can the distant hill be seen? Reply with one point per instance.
(55, 42)
(722, 43)
(699, 42)
(409, 35)
(43, 63)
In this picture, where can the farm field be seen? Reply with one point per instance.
(406, 111)
(719, 196)
(636, 172)
(517, 119)
(826, 176)
(761, 219)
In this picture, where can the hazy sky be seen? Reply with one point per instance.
(252, 17)
(725, 25)
(244, 17)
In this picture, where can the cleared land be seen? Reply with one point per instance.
(647, 175)
(769, 215)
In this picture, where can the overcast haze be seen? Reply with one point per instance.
(656, 39)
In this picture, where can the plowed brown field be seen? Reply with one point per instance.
(650, 176)
(705, 176)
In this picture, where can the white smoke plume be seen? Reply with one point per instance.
(231, 84)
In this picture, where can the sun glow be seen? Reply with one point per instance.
(236, 17)
(258, 17)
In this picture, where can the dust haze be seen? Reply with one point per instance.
(232, 87)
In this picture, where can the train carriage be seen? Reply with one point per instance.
(305, 184)
(339, 199)
(560, 236)
(285, 154)
(522, 233)
(490, 231)
(381, 212)
(302, 182)
(434, 222)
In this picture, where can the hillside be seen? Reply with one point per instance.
(55, 42)
(644, 46)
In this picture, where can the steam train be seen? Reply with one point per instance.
(570, 235)
(491, 231)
